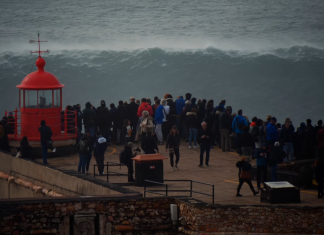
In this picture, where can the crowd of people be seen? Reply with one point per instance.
(196, 122)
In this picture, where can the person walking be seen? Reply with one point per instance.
(225, 128)
(99, 152)
(244, 176)
(89, 119)
(83, 149)
(204, 140)
(247, 143)
(193, 124)
(46, 135)
(237, 126)
(104, 120)
(159, 115)
(173, 146)
(261, 162)
(132, 109)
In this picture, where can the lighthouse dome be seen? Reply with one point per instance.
(40, 79)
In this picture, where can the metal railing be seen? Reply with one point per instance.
(110, 173)
(167, 190)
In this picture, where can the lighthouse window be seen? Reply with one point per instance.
(45, 99)
(31, 99)
(57, 98)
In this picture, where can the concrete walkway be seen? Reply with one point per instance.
(221, 172)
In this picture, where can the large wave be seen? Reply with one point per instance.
(281, 82)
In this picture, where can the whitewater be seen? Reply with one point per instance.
(262, 57)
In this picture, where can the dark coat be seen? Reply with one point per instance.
(225, 121)
(204, 141)
(89, 117)
(132, 109)
(184, 113)
(149, 145)
(172, 106)
(46, 133)
(25, 149)
(104, 118)
(100, 147)
(79, 115)
(247, 140)
(286, 135)
(192, 120)
(120, 116)
(173, 141)
(276, 156)
(243, 165)
(129, 155)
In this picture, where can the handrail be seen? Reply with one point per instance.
(107, 167)
(179, 190)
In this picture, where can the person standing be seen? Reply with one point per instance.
(225, 128)
(77, 108)
(247, 143)
(144, 107)
(83, 151)
(99, 152)
(244, 167)
(132, 109)
(149, 145)
(184, 122)
(193, 124)
(261, 162)
(179, 105)
(319, 173)
(113, 112)
(204, 139)
(25, 149)
(310, 141)
(126, 132)
(91, 141)
(46, 135)
(172, 145)
(120, 116)
(272, 132)
(166, 123)
(320, 142)
(159, 115)
(89, 119)
(286, 137)
(129, 162)
(4, 141)
(277, 155)
(237, 126)
(104, 120)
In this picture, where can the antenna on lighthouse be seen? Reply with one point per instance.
(39, 51)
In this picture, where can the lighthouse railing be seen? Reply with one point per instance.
(68, 120)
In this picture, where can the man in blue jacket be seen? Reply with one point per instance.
(99, 152)
(237, 126)
(159, 120)
(272, 132)
(180, 103)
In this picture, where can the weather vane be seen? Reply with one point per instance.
(39, 51)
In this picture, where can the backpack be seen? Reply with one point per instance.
(84, 148)
(167, 116)
(122, 157)
(255, 133)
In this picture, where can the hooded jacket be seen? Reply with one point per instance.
(100, 146)
(239, 120)
(159, 115)
(192, 120)
(45, 132)
(104, 117)
(89, 116)
(180, 104)
(144, 107)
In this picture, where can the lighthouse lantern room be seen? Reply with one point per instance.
(40, 98)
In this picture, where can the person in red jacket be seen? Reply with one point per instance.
(144, 106)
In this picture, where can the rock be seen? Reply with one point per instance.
(78, 206)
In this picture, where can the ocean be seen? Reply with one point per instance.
(265, 57)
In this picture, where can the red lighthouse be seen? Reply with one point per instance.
(40, 98)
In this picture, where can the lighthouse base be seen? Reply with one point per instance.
(63, 148)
